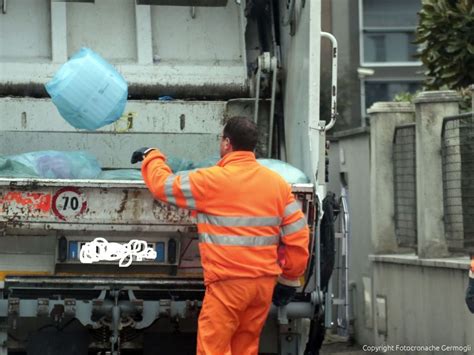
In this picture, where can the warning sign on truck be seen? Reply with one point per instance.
(68, 202)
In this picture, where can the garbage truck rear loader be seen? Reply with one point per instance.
(189, 65)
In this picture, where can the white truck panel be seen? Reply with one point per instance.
(212, 36)
(301, 90)
(160, 50)
(107, 26)
(187, 129)
(27, 26)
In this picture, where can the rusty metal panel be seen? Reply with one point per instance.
(81, 210)
(71, 204)
(101, 205)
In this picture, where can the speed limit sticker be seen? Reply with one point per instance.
(68, 202)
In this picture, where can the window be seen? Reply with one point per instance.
(385, 91)
(388, 30)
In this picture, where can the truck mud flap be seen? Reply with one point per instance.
(316, 334)
(328, 250)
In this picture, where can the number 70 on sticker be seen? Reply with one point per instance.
(68, 202)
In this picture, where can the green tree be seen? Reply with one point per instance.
(446, 37)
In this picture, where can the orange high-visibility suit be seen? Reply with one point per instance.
(244, 212)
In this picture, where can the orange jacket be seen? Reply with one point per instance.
(244, 211)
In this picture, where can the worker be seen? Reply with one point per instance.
(470, 287)
(246, 216)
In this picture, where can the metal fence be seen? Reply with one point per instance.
(404, 182)
(458, 181)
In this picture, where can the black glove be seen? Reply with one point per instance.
(140, 154)
(282, 294)
(470, 295)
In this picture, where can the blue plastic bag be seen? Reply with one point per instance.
(60, 165)
(288, 172)
(121, 174)
(13, 169)
(207, 163)
(179, 164)
(88, 92)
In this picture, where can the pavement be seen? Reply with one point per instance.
(337, 345)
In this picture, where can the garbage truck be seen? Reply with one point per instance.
(189, 65)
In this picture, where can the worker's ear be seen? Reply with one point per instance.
(229, 144)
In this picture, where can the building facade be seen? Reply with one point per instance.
(376, 54)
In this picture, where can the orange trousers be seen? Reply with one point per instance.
(232, 316)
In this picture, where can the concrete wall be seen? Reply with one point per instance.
(424, 304)
(399, 298)
(349, 154)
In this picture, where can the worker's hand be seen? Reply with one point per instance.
(470, 293)
(282, 294)
(140, 154)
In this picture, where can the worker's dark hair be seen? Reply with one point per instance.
(242, 133)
